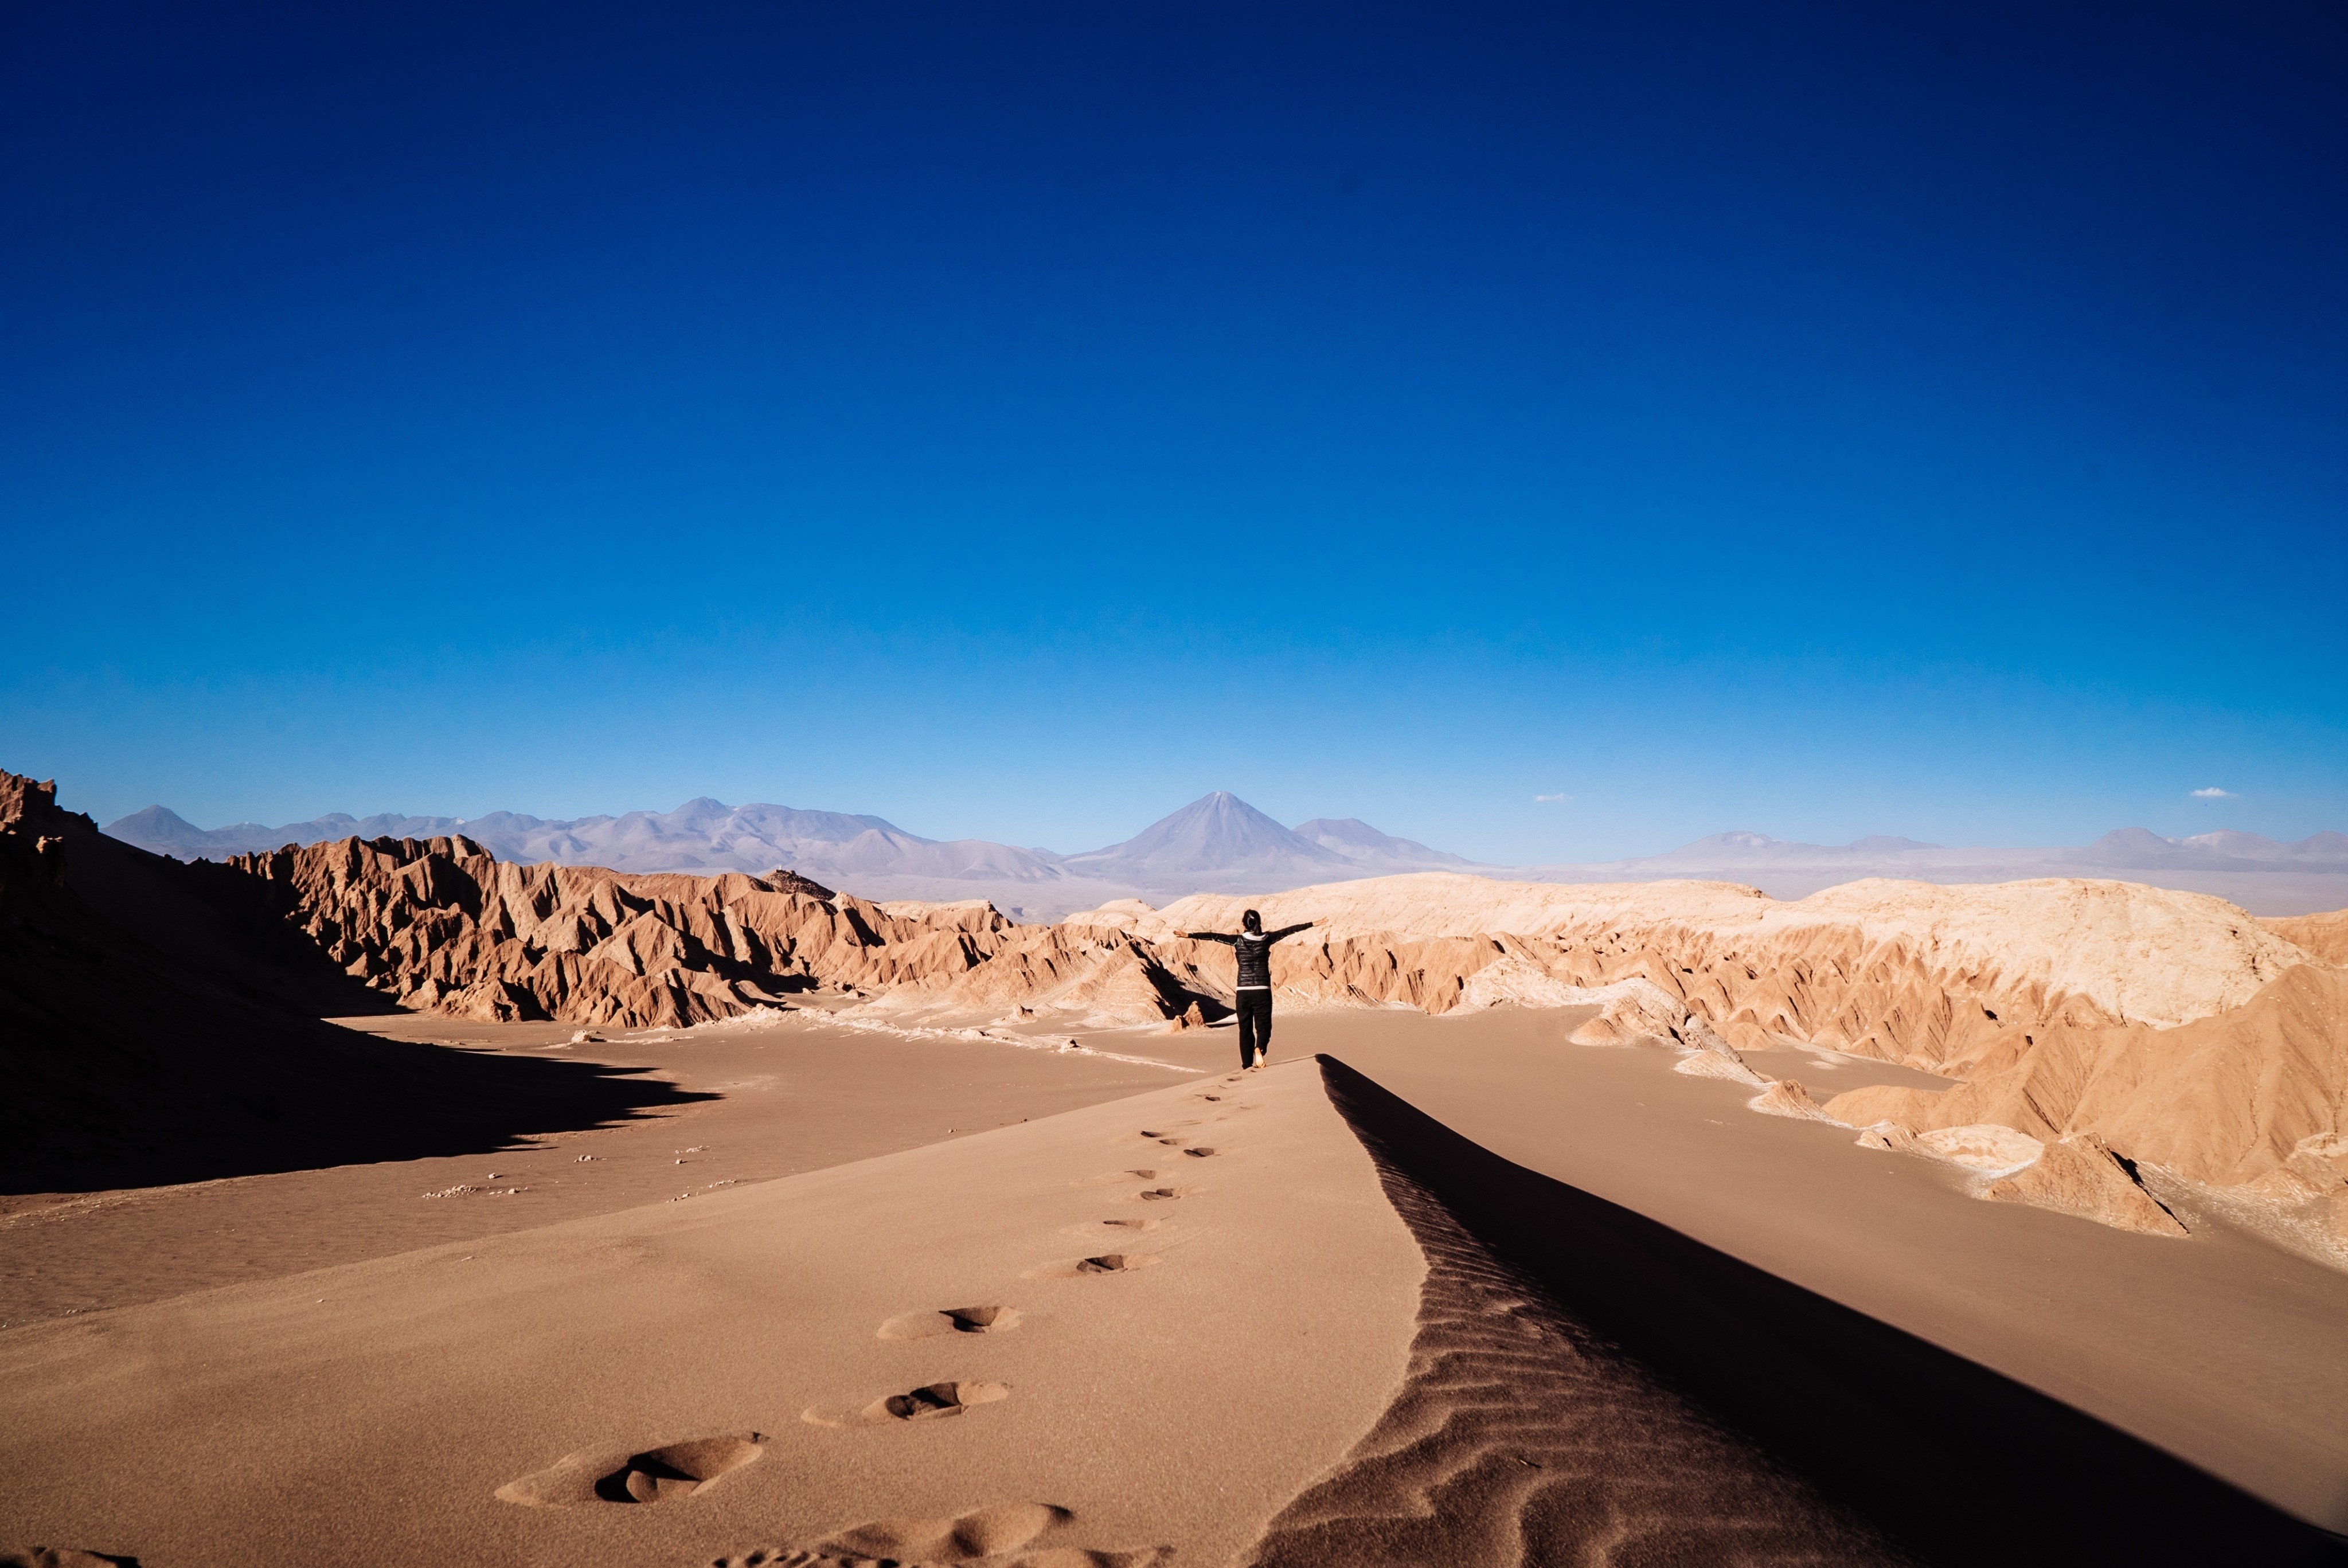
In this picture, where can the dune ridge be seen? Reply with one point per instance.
(1589, 1386)
(1520, 1435)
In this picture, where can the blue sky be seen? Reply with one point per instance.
(1017, 421)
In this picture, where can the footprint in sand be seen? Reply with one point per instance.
(1163, 1194)
(1132, 1225)
(1115, 1263)
(1200, 1152)
(1105, 1264)
(62, 1557)
(986, 1534)
(651, 1475)
(1114, 1176)
(933, 1399)
(926, 1403)
(951, 1320)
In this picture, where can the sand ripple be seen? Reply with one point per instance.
(1520, 1437)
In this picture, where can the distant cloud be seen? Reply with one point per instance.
(2214, 793)
(1547, 800)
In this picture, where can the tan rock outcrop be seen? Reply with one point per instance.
(2080, 1175)
(1907, 972)
(2170, 1025)
(1890, 1136)
(2325, 937)
(1784, 1097)
(2222, 1100)
(443, 924)
(1983, 1145)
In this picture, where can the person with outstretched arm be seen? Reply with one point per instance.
(1253, 994)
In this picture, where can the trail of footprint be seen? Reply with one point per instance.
(998, 1537)
(650, 1475)
(951, 1320)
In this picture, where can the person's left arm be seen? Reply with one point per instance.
(1288, 930)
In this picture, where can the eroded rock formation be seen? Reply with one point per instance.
(443, 924)
(158, 1023)
(2172, 1028)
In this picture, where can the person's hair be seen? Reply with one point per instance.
(1253, 921)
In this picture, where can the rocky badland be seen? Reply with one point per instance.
(2098, 1033)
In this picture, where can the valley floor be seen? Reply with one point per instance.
(1267, 1320)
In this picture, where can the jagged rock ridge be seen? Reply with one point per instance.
(442, 923)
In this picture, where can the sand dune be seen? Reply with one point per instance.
(727, 1380)
(1285, 1318)
(1360, 1340)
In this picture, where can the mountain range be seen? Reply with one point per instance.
(1219, 844)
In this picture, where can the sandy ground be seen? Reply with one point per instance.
(329, 1366)
(371, 1412)
(789, 1099)
(2223, 1348)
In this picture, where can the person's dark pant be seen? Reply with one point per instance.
(1255, 1025)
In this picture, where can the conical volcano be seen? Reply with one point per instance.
(1217, 835)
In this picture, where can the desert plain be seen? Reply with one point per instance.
(383, 1202)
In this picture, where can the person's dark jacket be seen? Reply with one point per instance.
(1254, 951)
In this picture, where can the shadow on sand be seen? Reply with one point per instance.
(1956, 1463)
(133, 1107)
(160, 1023)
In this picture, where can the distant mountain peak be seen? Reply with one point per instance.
(1216, 832)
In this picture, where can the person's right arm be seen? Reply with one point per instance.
(1224, 937)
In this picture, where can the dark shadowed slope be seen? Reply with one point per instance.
(1695, 1408)
(158, 1026)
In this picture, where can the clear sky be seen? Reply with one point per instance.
(1018, 420)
